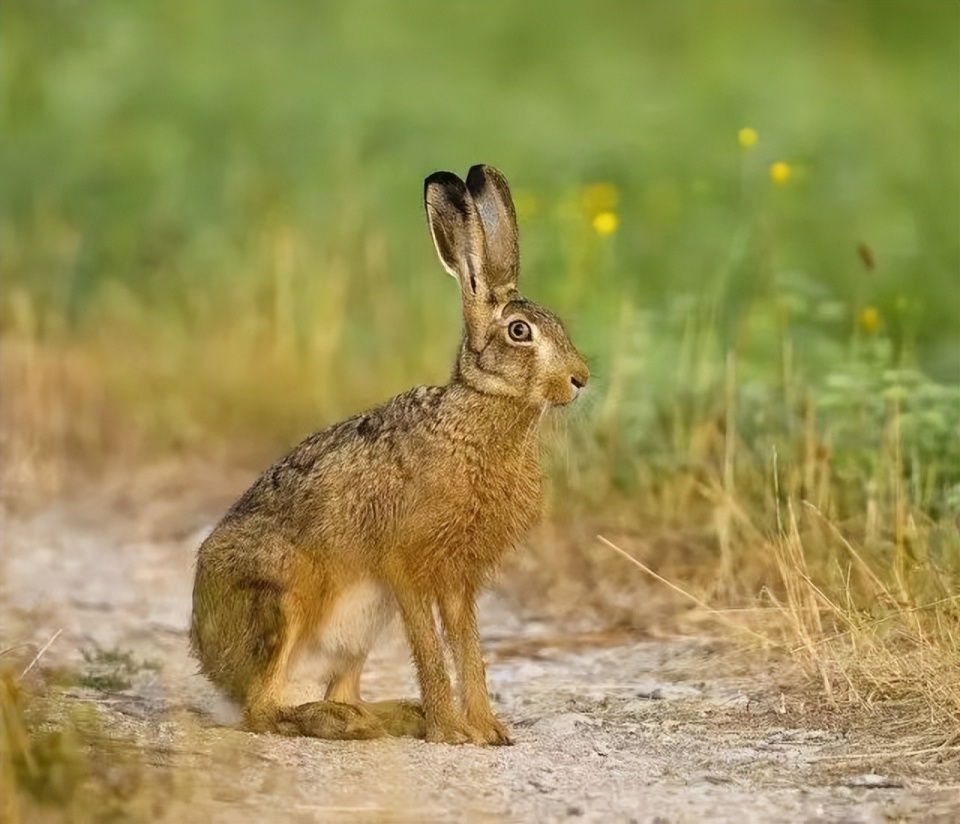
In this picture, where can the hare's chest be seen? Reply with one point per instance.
(521, 490)
(504, 504)
(469, 512)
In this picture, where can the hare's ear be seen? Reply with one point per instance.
(490, 192)
(456, 229)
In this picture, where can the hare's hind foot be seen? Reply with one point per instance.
(341, 721)
(327, 719)
(400, 718)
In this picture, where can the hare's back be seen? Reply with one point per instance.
(335, 474)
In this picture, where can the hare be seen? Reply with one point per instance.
(407, 507)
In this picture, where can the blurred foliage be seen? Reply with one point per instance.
(224, 199)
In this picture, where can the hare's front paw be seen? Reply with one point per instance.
(450, 729)
(490, 729)
(483, 730)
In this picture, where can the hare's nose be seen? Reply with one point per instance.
(580, 377)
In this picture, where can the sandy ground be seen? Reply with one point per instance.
(607, 728)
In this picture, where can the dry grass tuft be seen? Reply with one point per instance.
(865, 637)
(874, 626)
(54, 417)
(55, 762)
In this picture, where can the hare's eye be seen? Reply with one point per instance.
(519, 330)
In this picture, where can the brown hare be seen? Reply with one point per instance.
(407, 507)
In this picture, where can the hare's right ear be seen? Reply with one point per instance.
(456, 229)
(489, 190)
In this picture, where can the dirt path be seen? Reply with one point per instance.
(606, 729)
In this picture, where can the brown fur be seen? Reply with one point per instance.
(409, 506)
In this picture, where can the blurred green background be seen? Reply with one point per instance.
(747, 208)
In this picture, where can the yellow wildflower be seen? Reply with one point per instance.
(869, 319)
(747, 138)
(780, 172)
(606, 223)
(599, 197)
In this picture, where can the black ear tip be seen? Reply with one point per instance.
(444, 179)
(477, 177)
(481, 175)
(446, 187)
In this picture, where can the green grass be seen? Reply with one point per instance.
(213, 239)
(152, 148)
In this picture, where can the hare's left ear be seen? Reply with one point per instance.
(456, 229)
(491, 194)
(458, 235)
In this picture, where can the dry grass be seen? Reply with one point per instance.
(62, 760)
(57, 765)
(862, 645)
(54, 417)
